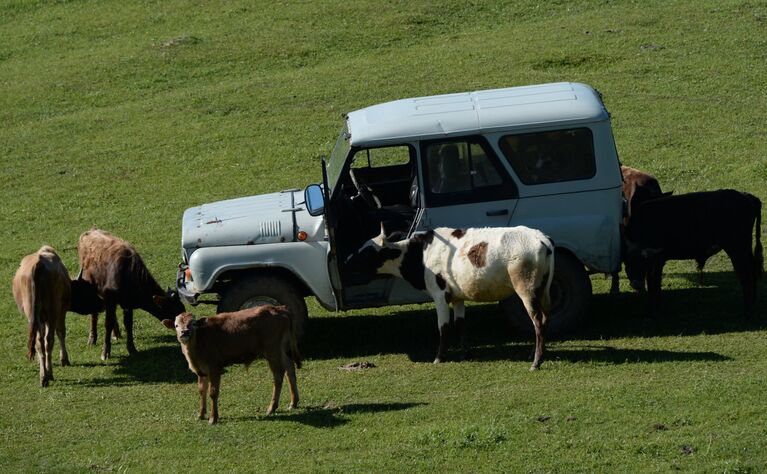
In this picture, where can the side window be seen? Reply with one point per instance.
(550, 157)
(381, 157)
(463, 171)
(457, 167)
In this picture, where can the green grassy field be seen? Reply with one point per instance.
(123, 114)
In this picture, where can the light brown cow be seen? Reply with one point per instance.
(210, 344)
(42, 292)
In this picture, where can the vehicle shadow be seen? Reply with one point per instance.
(713, 308)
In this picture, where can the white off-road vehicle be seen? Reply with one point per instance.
(541, 156)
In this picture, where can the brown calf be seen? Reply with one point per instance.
(41, 288)
(210, 344)
(114, 267)
(638, 187)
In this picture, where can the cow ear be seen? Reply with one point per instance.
(383, 233)
(168, 324)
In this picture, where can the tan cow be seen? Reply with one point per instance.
(42, 292)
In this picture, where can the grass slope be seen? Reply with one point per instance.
(123, 114)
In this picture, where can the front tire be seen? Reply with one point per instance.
(262, 290)
(570, 294)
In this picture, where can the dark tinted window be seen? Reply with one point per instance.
(463, 171)
(549, 157)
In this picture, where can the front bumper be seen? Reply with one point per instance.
(187, 296)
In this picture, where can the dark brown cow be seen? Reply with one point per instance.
(41, 288)
(121, 278)
(638, 187)
(210, 344)
(693, 227)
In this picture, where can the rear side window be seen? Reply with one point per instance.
(550, 157)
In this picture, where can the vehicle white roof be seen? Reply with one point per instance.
(464, 113)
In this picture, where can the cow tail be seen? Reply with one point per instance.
(294, 354)
(758, 253)
(550, 250)
(33, 317)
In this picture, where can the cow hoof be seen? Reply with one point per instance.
(105, 357)
(212, 421)
(438, 360)
(65, 362)
(132, 350)
(91, 341)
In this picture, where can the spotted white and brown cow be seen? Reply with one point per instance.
(476, 264)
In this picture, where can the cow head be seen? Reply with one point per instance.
(185, 325)
(85, 297)
(638, 261)
(168, 305)
(372, 257)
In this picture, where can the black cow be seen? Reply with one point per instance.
(695, 226)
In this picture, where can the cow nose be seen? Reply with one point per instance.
(185, 333)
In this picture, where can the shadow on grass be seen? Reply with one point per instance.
(158, 364)
(714, 308)
(329, 416)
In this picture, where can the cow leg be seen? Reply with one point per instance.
(214, 378)
(292, 383)
(654, 279)
(742, 263)
(128, 322)
(93, 333)
(109, 321)
(116, 330)
(41, 355)
(615, 287)
(278, 374)
(459, 313)
(443, 322)
(202, 388)
(533, 307)
(48, 353)
(61, 332)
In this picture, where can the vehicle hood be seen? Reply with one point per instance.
(266, 218)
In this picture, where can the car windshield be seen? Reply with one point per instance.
(337, 158)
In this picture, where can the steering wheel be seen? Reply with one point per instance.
(364, 191)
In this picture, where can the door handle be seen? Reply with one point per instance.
(499, 212)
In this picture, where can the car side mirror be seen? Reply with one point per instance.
(315, 200)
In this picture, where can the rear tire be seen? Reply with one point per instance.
(570, 295)
(262, 290)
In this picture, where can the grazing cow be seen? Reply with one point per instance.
(41, 288)
(210, 344)
(457, 265)
(114, 267)
(695, 226)
(638, 187)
